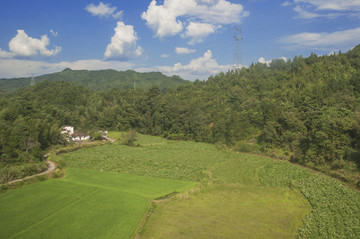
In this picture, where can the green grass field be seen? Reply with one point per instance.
(84, 204)
(238, 196)
(224, 211)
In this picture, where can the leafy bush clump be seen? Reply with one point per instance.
(129, 138)
(13, 172)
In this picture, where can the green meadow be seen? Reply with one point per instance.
(229, 211)
(84, 204)
(117, 191)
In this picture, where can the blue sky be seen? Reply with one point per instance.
(190, 38)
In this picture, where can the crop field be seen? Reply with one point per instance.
(84, 204)
(237, 196)
(335, 208)
(224, 211)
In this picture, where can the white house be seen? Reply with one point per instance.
(80, 136)
(69, 134)
(68, 130)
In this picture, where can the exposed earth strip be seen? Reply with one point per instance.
(51, 168)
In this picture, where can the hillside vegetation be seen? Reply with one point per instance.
(306, 111)
(100, 80)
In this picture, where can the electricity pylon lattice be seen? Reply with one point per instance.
(237, 51)
(32, 83)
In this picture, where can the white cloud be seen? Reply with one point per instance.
(198, 31)
(340, 40)
(309, 9)
(286, 4)
(123, 43)
(10, 68)
(267, 62)
(103, 10)
(184, 50)
(5, 54)
(165, 56)
(54, 33)
(163, 19)
(24, 46)
(263, 61)
(201, 67)
(305, 14)
(334, 5)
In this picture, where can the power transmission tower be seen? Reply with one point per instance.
(32, 83)
(237, 51)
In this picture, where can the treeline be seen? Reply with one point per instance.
(99, 80)
(306, 110)
(31, 119)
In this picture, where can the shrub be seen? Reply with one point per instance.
(129, 138)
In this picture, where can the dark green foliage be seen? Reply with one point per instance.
(12, 172)
(102, 80)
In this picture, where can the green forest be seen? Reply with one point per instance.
(305, 110)
(101, 80)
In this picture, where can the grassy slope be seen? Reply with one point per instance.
(112, 203)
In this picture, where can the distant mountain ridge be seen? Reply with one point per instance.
(100, 80)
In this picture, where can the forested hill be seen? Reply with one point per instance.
(101, 80)
(306, 110)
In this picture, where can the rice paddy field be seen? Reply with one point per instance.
(84, 204)
(222, 194)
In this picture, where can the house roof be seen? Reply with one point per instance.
(79, 135)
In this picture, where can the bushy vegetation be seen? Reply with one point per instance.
(12, 172)
(129, 138)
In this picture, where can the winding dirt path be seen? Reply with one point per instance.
(51, 168)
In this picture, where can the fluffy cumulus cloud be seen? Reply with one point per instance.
(308, 9)
(162, 18)
(123, 43)
(199, 68)
(198, 31)
(184, 50)
(323, 41)
(10, 68)
(173, 16)
(103, 10)
(23, 45)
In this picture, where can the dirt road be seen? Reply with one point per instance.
(51, 168)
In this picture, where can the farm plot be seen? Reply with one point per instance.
(236, 211)
(335, 209)
(85, 204)
(179, 160)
